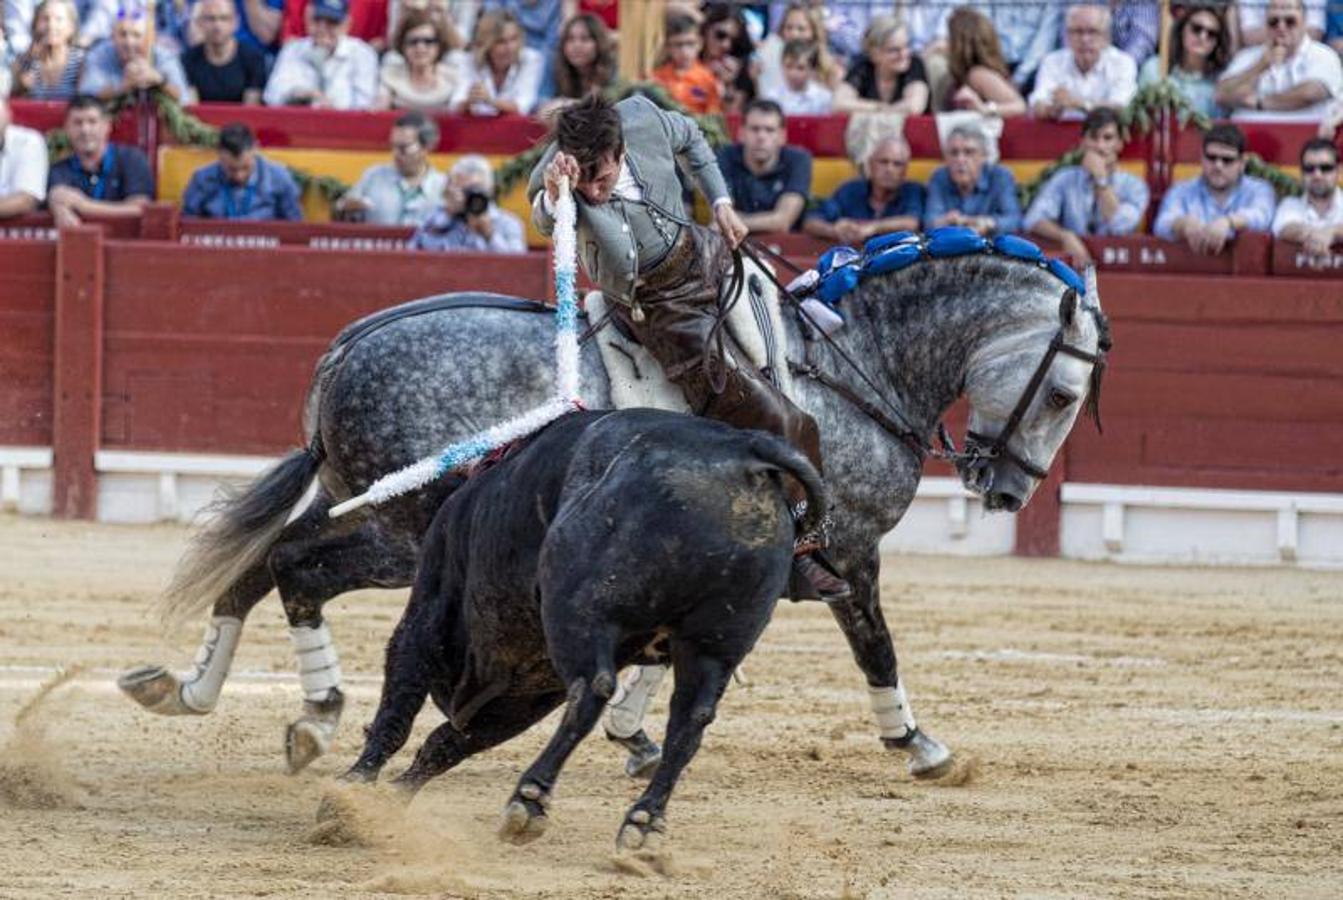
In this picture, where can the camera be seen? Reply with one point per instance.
(477, 203)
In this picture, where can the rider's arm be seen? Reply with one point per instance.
(536, 192)
(688, 143)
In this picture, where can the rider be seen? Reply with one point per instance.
(663, 271)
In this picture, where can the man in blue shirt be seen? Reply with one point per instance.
(969, 191)
(1206, 212)
(100, 178)
(242, 184)
(1093, 197)
(768, 182)
(259, 23)
(883, 201)
(127, 62)
(469, 220)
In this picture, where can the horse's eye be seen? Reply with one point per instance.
(1060, 399)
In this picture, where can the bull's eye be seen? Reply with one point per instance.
(1060, 399)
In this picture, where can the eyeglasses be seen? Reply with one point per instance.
(1319, 168)
(1203, 31)
(421, 42)
(1284, 21)
(1220, 158)
(411, 147)
(722, 34)
(1084, 32)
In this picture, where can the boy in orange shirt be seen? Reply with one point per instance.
(689, 81)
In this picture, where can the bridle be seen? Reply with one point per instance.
(979, 448)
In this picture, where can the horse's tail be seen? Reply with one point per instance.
(779, 454)
(245, 525)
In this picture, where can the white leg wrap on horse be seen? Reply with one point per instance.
(318, 666)
(626, 710)
(894, 719)
(200, 688)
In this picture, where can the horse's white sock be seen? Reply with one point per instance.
(625, 712)
(894, 718)
(200, 689)
(318, 666)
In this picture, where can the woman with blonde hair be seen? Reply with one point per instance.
(888, 77)
(585, 61)
(416, 74)
(800, 22)
(51, 67)
(500, 75)
(980, 79)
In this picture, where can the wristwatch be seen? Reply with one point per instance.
(1103, 182)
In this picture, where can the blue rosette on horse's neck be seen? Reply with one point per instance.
(463, 452)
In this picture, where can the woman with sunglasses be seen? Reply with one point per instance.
(417, 74)
(1292, 76)
(729, 53)
(1200, 46)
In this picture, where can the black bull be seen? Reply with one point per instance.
(610, 539)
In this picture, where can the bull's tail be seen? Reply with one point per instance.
(246, 523)
(776, 453)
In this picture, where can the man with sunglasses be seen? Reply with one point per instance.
(1207, 212)
(1291, 76)
(1314, 220)
(406, 190)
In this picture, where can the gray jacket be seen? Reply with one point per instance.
(620, 238)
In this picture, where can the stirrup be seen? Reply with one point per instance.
(815, 578)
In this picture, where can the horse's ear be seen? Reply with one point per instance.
(1068, 307)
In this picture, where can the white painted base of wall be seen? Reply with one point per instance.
(1120, 523)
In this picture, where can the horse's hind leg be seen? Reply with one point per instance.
(309, 569)
(864, 626)
(700, 682)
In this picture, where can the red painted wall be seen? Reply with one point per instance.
(27, 303)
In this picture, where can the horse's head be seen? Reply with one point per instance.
(1026, 389)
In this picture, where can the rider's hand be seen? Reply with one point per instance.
(562, 166)
(733, 228)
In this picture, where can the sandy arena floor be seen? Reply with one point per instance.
(1135, 732)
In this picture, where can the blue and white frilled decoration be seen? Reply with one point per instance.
(842, 269)
(566, 398)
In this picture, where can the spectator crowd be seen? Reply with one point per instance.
(877, 62)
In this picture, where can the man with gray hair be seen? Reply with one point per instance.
(880, 202)
(404, 191)
(469, 220)
(970, 191)
(1087, 74)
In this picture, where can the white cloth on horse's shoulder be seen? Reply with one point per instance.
(822, 316)
(804, 283)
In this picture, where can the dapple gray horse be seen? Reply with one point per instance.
(404, 383)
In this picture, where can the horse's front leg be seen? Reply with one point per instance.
(864, 626)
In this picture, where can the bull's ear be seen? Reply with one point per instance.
(1068, 307)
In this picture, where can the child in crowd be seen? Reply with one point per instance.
(802, 93)
(689, 81)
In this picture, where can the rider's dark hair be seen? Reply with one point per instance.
(1098, 118)
(235, 139)
(589, 131)
(1227, 135)
(1317, 144)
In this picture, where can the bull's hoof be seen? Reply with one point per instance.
(929, 758)
(157, 690)
(642, 831)
(524, 821)
(644, 753)
(304, 741)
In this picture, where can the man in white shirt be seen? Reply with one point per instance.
(1314, 220)
(404, 191)
(1289, 77)
(23, 167)
(1088, 73)
(328, 69)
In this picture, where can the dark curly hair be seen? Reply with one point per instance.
(589, 131)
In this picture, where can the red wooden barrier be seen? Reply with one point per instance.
(27, 310)
(1291, 259)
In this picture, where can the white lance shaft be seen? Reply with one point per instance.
(566, 397)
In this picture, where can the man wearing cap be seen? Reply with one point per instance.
(328, 69)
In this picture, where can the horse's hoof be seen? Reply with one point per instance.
(641, 831)
(157, 690)
(929, 758)
(524, 821)
(304, 741)
(644, 754)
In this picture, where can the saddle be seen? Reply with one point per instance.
(754, 323)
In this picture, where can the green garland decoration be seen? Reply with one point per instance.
(1140, 117)
(519, 167)
(188, 130)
